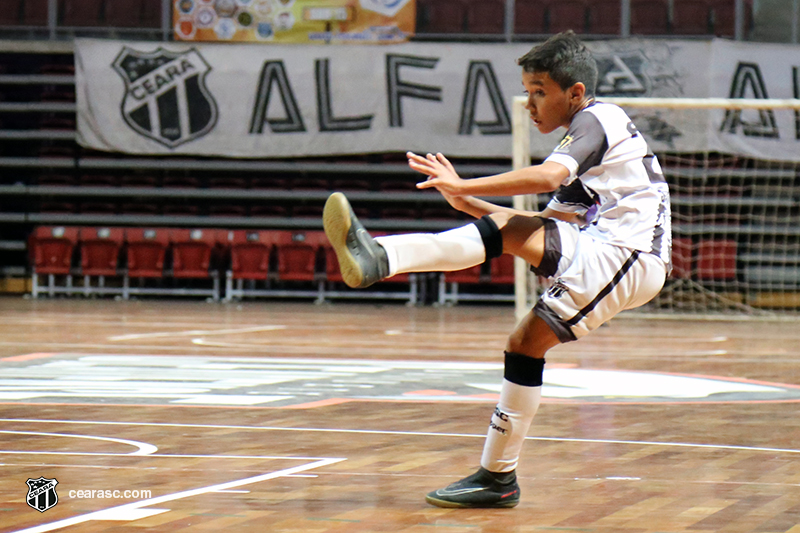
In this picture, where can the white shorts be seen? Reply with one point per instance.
(592, 280)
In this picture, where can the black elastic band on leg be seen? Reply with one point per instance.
(491, 237)
(523, 370)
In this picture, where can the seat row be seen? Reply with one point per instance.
(689, 17)
(275, 263)
(601, 17)
(84, 13)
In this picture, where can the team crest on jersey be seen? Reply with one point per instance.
(557, 289)
(166, 98)
(563, 146)
(42, 493)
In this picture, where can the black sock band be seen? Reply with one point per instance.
(491, 237)
(523, 370)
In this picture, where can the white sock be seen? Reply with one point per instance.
(455, 249)
(509, 426)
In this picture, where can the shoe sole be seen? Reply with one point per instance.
(455, 505)
(337, 221)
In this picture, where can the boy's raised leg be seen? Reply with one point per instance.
(364, 260)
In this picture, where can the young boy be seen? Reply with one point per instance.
(616, 260)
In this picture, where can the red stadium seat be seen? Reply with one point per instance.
(151, 13)
(52, 249)
(298, 254)
(441, 16)
(98, 180)
(605, 17)
(566, 15)
(181, 182)
(268, 210)
(34, 12)
(146, 251)
(227, 211)
(486, 16)
(191, 252)
(691, 17)
(123, 13)
(137, 180)
(649, 17)
(250, 253)
(502, 270)
(80, 13)
(716, 259)
(454, 279)
(11, 13)
(59, 180)
(51, 254)
(100, 250)
(529, 17)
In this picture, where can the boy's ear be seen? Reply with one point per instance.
(577, 91)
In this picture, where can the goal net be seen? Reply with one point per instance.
(735, 189)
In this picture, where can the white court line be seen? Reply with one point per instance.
(194, 332)
(144, 448)
(164, 455)
(128, 509)
(409, 433)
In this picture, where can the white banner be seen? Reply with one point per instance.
(239, 100)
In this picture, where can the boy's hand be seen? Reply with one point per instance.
(441, 174)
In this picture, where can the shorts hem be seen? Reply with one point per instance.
(559, 326)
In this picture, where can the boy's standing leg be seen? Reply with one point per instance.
(367, 260)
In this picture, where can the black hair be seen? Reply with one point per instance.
(566, 59)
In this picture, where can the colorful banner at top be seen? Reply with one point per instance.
(295, 21)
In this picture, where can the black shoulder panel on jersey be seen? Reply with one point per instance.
(585, 141)
(575, 194)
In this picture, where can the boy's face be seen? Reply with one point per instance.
(549, 105)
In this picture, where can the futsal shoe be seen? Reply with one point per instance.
(483, 489)
(362, 260)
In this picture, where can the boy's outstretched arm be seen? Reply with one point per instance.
(477, 207)
(529, 180)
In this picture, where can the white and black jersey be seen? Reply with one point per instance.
(617, 171)
(575, 198)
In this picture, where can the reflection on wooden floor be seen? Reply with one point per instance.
(302, 418)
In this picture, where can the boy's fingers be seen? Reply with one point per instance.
(443, 160)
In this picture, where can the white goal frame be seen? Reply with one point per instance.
(525, 289)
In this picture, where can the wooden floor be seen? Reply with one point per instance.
(339, 418)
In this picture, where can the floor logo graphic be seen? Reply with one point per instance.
(166, 98)
(280, 382)
(42, 493)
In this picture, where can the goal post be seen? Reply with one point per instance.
(736, 211)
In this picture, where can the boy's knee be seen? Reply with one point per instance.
(491, 236)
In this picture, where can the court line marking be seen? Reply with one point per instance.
(195, 332)
(129, 508)
(143, 447)
(408, 433)
(164, 455)
(27, 357)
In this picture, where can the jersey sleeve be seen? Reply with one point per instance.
(583, 147)
(572, 198)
